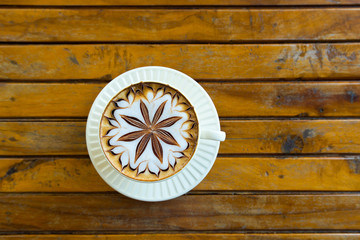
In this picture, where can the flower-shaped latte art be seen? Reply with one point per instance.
(151, 128)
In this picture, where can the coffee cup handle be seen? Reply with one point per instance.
(213, 135)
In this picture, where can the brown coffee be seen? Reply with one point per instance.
(149, 131)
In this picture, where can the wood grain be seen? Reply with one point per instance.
(185, 25)
(113, 212)
(291, 137)
(232, 62)
(243, 137)
(47, 100)
(44, 138)
(48, 184)
(174, 2)
(278, 99)
(227, 174)
(67, 175)
(193, 236)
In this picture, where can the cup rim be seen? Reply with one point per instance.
(205, 151)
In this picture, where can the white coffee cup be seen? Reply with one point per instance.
(202, 159)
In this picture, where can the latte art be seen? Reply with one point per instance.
(149, 131)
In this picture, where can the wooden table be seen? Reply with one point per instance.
(283, 75)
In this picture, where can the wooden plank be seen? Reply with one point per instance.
(44, 138)
(279, 99)
(185, 25)
(174, 2)
(286, 136)
(32, 175)
(113, 212)
(243, 137)
(238, 61)
(314, 99)
(47, 100)
(193, 236)
(252, 174)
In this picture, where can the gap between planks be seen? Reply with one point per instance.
(252, 118)
(220, 155)
(200, 192)
(182, 6)
(213, 81)
(193, 42)
(185, 232)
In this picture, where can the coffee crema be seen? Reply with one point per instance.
(149, 131)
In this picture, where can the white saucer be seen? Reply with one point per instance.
(199, 165)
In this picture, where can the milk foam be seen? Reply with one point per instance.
(130, 107)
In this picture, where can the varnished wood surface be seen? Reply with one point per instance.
(228, 174)
(200, 61)
(279, 99)
(294, 137)
(283, 75)
(194, 236)
(190, 25)
(113, 212)
(243, 137)
(176, 2)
